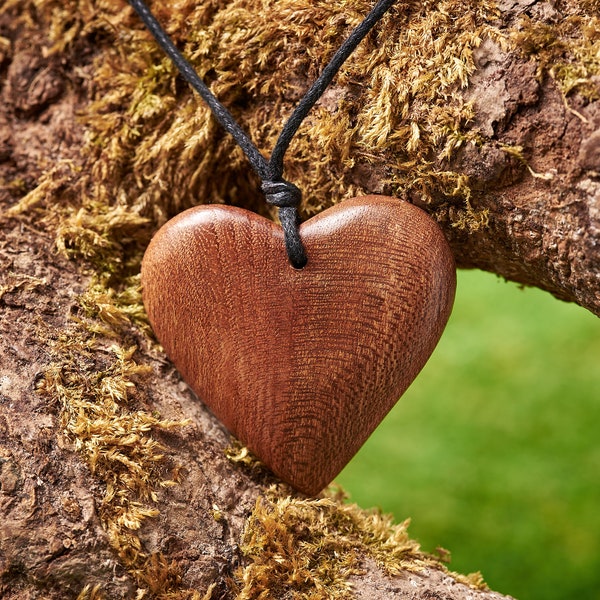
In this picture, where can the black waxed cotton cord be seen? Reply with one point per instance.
(278, 192)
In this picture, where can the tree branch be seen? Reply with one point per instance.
(112, 475)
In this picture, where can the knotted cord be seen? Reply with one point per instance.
(278, 192)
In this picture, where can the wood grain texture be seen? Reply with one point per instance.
(300, 365)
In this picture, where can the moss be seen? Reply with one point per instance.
(568, 51)
(93, 386)
(238, 454)
(91, 593)
(101, 234)
(152, 142)
(397, 102)
(297, 547)
(14, 281)
(118, 308)
(309, 548)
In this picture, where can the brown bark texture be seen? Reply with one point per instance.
(113, 478)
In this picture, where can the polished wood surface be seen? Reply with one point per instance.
(300, 365)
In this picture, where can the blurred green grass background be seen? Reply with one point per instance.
(494, 451)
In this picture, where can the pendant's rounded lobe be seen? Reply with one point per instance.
(300, 365)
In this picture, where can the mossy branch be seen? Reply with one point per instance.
(119, 481)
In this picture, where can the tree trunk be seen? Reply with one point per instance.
(115, 481)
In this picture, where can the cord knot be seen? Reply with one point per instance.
(282, 194)
(286, 196)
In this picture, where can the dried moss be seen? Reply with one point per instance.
(15, 281)
(309, 548)
(91, 593)
(153, 148)
(93, 386)
(568, 51)
(118, 308)
(240, 455)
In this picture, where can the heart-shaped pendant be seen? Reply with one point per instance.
(300, 365)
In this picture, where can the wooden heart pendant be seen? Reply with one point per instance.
(300, 365)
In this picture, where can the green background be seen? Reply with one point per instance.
(494, 451)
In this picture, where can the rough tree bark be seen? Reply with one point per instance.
(113, 479)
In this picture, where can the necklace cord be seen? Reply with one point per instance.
(278, 192)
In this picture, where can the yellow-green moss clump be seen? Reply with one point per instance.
(310, 548)
(153, 147)
(569, 51)
(93, 386)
